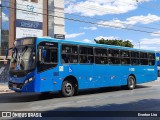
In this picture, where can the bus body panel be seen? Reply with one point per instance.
(87, 75)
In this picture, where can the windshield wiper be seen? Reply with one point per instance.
(24, 50)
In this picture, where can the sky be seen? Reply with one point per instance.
(115, 19)
(134, 20)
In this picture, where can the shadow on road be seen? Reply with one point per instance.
(29, 97)
(124, 111)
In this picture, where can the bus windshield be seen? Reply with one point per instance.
(23, 58)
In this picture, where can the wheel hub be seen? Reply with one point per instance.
(68, 88)
(131, 83)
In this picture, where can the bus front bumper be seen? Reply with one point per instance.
(21, 87)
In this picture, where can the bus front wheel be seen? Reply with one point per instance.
(131, 83)
(68, 89)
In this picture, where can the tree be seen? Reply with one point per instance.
(115, 42)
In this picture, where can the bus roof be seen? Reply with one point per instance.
(90, 44)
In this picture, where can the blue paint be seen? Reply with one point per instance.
(88, 75)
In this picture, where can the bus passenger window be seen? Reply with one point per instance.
(50, 59)
(86, 54)
(83, 59)
(109, 61)
(65, 59)
(134, 61)
(69, 54)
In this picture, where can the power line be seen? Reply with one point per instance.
(98, 19)
(87, 6)
(82, 21)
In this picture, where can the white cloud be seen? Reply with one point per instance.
(153, 41)
(143, 19)
(130, 21)
(89, 28)
(146, 47)
(74, 35)
(148, 44)
(4, 17)
(102, 7)
(156, 33)
(109, 37)
(87, 41)
(67, 2)
(113, 24)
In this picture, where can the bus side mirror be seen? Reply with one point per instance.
(6, 54)
(7, 51)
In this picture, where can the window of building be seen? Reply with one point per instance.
(35, 1)
(4, 28)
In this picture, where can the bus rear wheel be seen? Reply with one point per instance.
(68, 88)
(131, 83)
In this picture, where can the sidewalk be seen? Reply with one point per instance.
(153, 83)
(4, 88)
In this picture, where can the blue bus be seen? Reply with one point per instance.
(158, 58)
(46, 65)
(158, 62)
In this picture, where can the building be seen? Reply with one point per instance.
(22, 18)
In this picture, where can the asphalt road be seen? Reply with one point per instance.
(145, 97)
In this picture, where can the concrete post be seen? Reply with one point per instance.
(56, 17)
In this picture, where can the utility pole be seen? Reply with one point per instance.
(139, 43)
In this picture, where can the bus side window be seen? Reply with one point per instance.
(83, 59)
(69, 53)
(50, 59)
(86, 54)
(109, 61)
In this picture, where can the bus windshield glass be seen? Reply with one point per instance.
(23, 56)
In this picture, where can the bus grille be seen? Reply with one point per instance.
(15, 85)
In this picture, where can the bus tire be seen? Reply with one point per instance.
(68, 88)
(131, 82)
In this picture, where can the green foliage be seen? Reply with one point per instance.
(126, 43)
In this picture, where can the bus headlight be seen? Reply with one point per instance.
(29, 80)
(26, 81)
